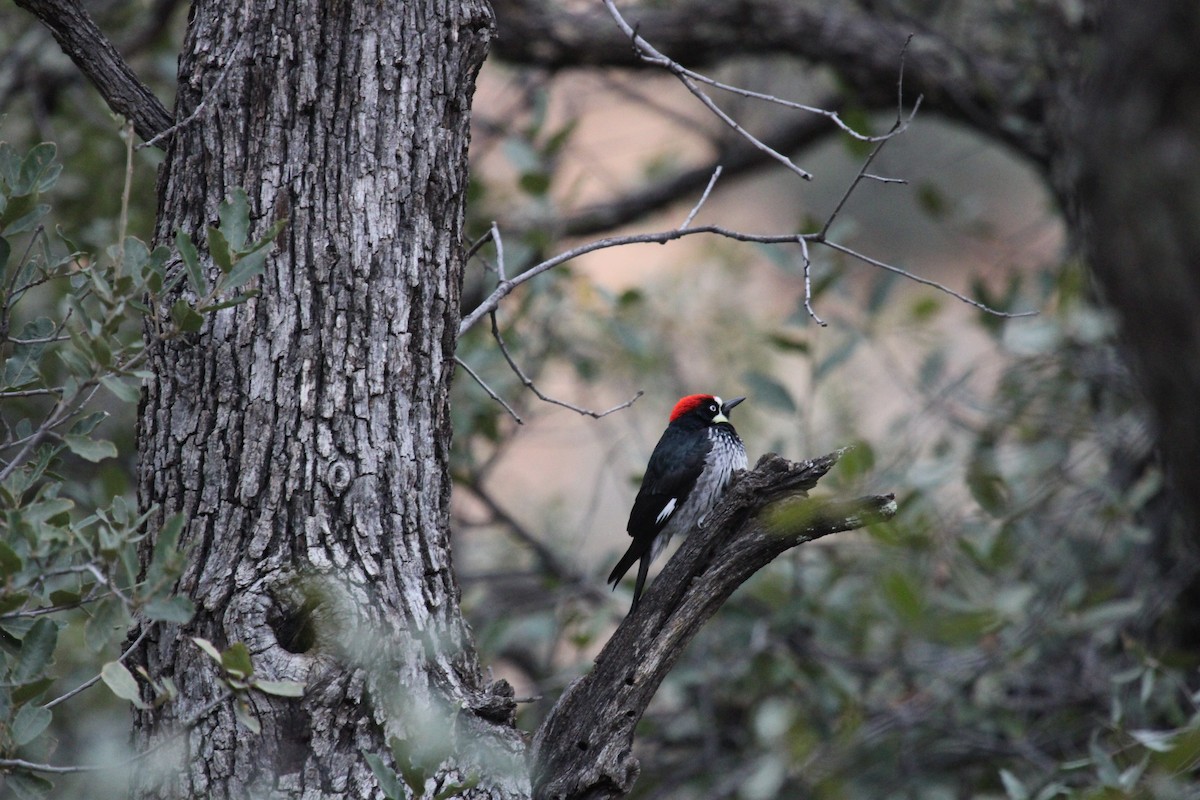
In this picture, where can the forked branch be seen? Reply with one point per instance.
(584, 747)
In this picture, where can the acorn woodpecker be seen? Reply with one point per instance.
(688, 470)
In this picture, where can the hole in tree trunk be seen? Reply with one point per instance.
(293, 626)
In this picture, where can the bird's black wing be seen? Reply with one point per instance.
(675, 465)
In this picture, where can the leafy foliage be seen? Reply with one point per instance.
(71, 325)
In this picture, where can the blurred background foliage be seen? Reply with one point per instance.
(1013, 632)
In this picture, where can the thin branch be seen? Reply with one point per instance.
(862, 170)
(808, 283)
(941, 287)
(832, 116)
(528, 383)
(492, 394)
(548, 558)
(495, 236)
(703, 198)
(209, 94)
(83, 41)
(506, 288)
(29, 393)
(123, 220)
(477, 245)
(52, 769)
(737, 157)
(649, 54)
(92, 681)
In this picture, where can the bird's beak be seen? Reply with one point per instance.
(728, 406)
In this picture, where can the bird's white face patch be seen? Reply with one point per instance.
(667, 511)
(720, 415)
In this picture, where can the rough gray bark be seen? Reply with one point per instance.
(305, 434)
(584, 747)
(1138, 156)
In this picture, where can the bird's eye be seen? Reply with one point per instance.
(712, 407)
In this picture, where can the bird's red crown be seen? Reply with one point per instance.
(689, 403)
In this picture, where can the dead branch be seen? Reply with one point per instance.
(584, 747)
(82, 40)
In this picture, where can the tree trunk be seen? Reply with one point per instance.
(305, 434)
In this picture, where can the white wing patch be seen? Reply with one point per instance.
(667, 511)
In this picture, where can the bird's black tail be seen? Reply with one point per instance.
(631, 555)
(634, 553)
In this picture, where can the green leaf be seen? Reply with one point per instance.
(276, 228)
(178, 609)
(241, 710)
(457, 788)
(535, 182)
(281, 688)
(29, 723)
(881, 289)
(988, 488)
(124, 390)
(185, 317)
(903, 596)
(767, 392)
(208, 648)
(28, 692)
(20, 217)
(191, 263)
(122, 683)
(247, 268)
(38, 171)
(37, 648)
(85, 425)
(10, 562)
(27, 786)
(236, 660)
(840, 355)
(22, 367)
(235, 219)
(218, 248)
(1158, 741)
(93, 450)
(237, 300)
(389, 782)
(1013, 786)
(109, 618)
(136, 254)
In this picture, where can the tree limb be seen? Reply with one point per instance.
(997, 98)
(584, 747)
(82, 40)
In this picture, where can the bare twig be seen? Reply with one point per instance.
(92, 681)
(528, 383)
(123, 220)
(52, 769)
(941, 287)
(808, 282)
(491, 393)
(703, 198)
(651, 55)
(495, 235)
(549, 559)
(199, 109)
(477, 245)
